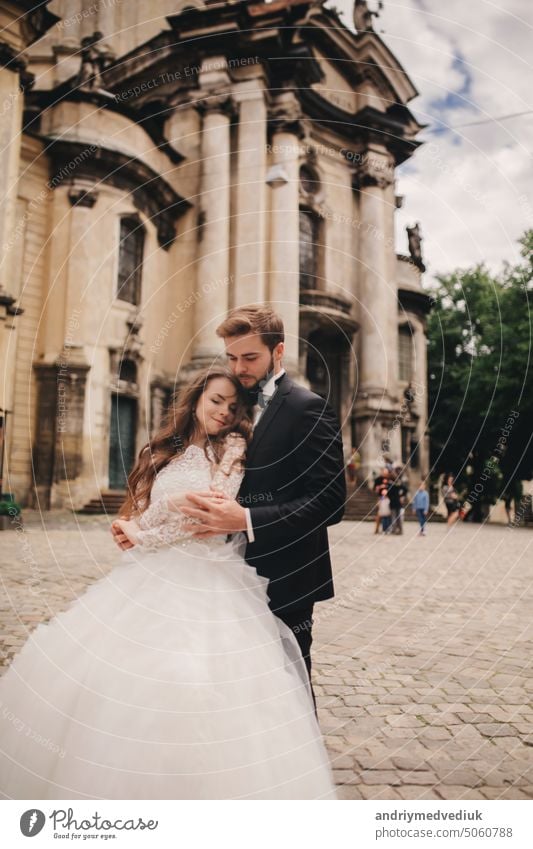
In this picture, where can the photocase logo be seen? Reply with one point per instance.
(32, 822)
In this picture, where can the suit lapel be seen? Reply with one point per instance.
(269, 414)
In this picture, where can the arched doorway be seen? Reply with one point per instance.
(122, 440)
(123, 425)
(324, 364)
(326, 352)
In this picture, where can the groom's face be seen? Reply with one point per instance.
(250, 359)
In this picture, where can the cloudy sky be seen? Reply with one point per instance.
(471, 187)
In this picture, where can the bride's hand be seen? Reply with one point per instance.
(119, 537)
(126, 533)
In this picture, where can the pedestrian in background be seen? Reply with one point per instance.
(451, 500)
(508, 500)
(353, 465)
(384, 511)
(421, 506)
(397, 492)
(382, 480)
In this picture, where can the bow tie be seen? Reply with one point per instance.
(257, 396)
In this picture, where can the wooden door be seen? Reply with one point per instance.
(122, 440)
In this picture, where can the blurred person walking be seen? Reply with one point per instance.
(382, 480)
(451, 500)
(384, 511)
(421, 507)
(397, 492)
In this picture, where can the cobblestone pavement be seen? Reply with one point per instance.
(422, 662)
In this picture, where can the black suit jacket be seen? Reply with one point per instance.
(295, 487)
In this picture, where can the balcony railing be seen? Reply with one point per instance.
(325, 301)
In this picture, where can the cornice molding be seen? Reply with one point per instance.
(374, 169)
(216, 102)
(367, 126)
(151, 193)
(412, 301)
(38, 101)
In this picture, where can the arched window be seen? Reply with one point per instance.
(308, 249)
(128, 371)
(309, 180)
(130, 258)
(405, 353)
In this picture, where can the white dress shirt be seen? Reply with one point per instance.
(269, 389)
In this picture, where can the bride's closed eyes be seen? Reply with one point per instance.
(232, 408)
(216, 399)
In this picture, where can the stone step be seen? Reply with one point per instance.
(361, 507)
(108, 502)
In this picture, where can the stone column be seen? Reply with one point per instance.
(58, 452)
(286, 130)
(250, 220)
(82, 262)
(377, 404)
(72, 267)
(377, 288)
(12, 78)
(21, 25)
(11, 102)
(69, 324)
(158, 398)
(213, 275)
(107, 12)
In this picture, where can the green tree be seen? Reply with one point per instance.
(480, 379)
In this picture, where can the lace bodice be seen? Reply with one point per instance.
(190, 471)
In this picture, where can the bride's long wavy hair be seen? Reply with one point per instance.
(176, 433)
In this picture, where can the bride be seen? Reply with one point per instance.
(170, 678)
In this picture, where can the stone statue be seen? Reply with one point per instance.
(409, 396)
(94, 59)
(415, 244)
(362, 16)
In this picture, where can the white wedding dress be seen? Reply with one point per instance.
(170, 678)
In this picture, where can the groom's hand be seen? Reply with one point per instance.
(216, 513)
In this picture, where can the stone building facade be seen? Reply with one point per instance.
(21, 24)
(174, 161)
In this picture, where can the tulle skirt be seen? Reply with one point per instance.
(170, 678)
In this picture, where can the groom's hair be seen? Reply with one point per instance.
(254, 318)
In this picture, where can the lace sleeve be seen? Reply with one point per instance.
(161, 526)
(228, 475)
(194, 471)
(154, 515)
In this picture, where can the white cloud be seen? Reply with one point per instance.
(469, 186)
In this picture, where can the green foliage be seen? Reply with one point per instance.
(481, 379)
(9, 508)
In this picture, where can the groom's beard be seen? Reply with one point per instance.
(255, 387)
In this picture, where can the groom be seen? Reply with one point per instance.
(294, 484)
